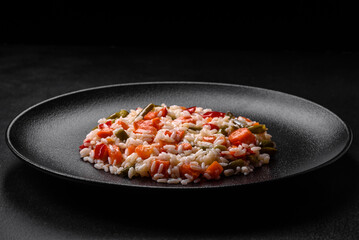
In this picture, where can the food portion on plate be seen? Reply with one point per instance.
(177, 145)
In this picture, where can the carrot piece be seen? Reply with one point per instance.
(155, 167)
(186, 169)
(242, 135)
(187, 119)
(123, 124)
(156, 122)
(150, 115)
(104, 133)
(180, 135)
(144, 151)
(131, 149)
(210, 139)
(186, 146)
(115, 155)
(256, 123)
(214, 170)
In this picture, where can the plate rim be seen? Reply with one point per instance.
(167, 187)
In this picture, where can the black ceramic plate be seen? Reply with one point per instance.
(48, 134)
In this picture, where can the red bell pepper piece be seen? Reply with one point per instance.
(212, 126)
(101, 152)
(191, 109)
(213, 114)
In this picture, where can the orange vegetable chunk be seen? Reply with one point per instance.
(242, 135)
(214, 170)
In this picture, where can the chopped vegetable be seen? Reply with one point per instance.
(191, 109)
(213, 114)
(210, 139)
(121, 134)
(221, 147)
(239, 123)
(270, 150)
(105, 133)
(144, 151)
(214, 170)
(146, 110)
(115, 155)
(123, 113)
(242, 135)
(237, 163)
(230, 115)
(195, 128)
(159, 166)
(101, 152)
(266, 143)
(186, 169)
(260, 128)
(211, 126)
(186, 146)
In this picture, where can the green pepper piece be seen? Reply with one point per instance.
(221, 147)
(123, 113)
(270, 150)
(146, 110)
(230, 115)
(124, 172)
(195, 128)
(223, 131)
(253, 159)
(260, 128)
(239, 123)
(266, 143)
(237, 163)
(121, 134)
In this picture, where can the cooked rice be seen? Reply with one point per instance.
(183, 145)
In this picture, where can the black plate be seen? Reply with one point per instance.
(48, 134)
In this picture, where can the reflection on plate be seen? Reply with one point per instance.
(48, 134)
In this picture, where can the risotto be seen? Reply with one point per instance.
(177, 145)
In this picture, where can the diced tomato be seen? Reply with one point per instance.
(214, 170)
(156, 165)
(186, 146)
(186, 169)
(210, 139)
(131, 149)
(115, 155)
(101, 152)
(82, 146)
(187, 119)
(144, 151)
(191, 109)
(213, 114)
(212, 126)
(105, 133)
(242, 135)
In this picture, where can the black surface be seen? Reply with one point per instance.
(307, 135)
(321, 204)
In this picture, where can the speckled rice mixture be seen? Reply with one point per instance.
(167, 145)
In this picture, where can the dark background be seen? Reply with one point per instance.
(308, 49)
